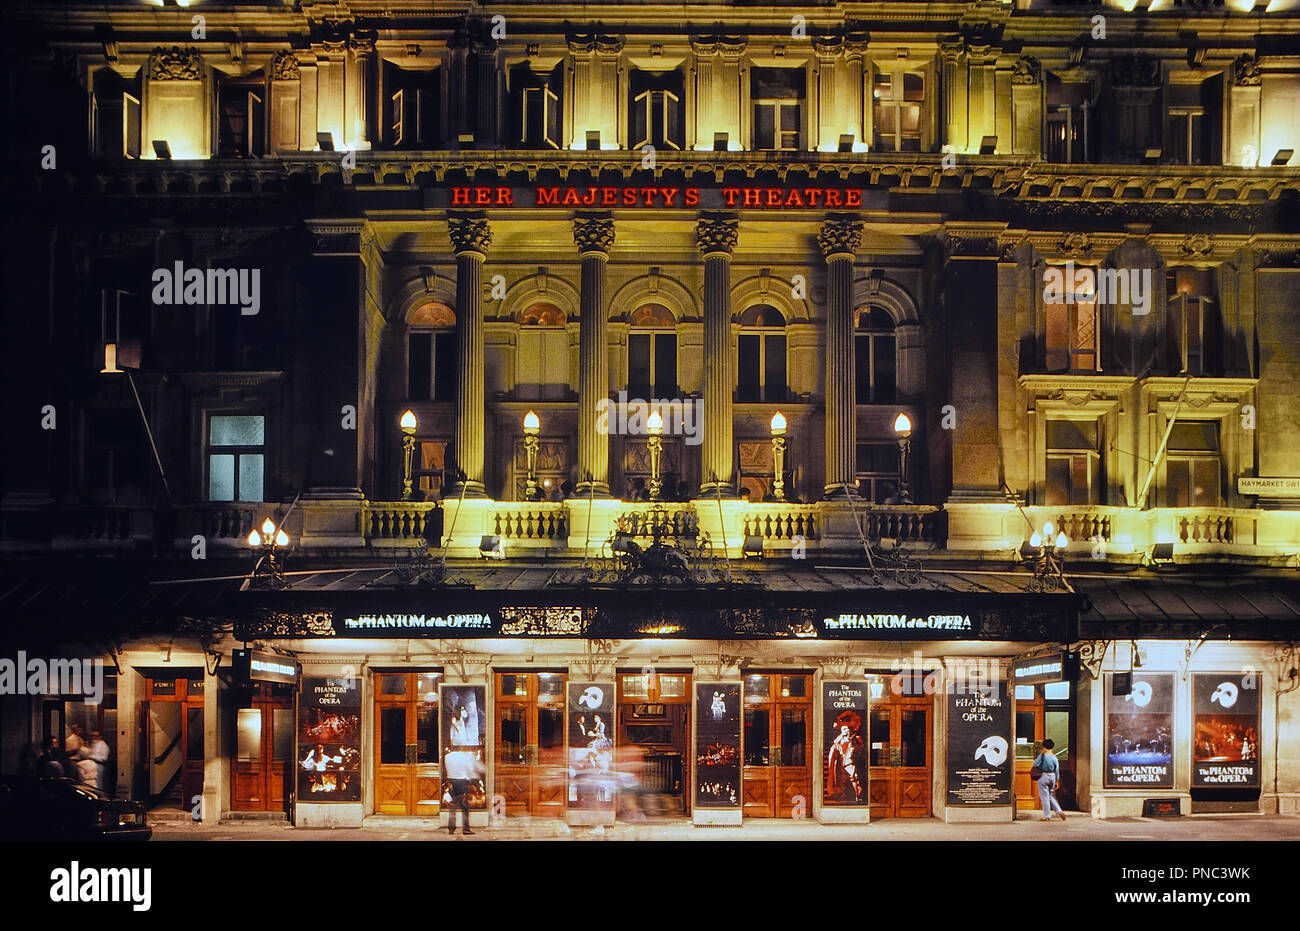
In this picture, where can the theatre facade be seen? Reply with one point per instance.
(673, 415)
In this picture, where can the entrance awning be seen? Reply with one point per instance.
(1245, 607)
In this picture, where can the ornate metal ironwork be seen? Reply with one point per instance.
(558, 621)
(679, 553)
(286, 624)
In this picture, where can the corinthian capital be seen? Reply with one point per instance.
(469, 235)
(840, 237)
(714, 235)
(593, 236)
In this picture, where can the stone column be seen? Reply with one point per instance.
(470, 238)
(715, 237)
(839, 241)
(594, 237)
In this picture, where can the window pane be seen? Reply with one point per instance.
(884, 388)
(794, 736)
(1072, 434)
(1195, 436)
(1056, 691)
(419, 366)
(426, 733)
(910, 118)
(250, 477)
(392, 735)
(880, 738)
(862, 367)
(1205, 476)
(794, 686)
(444, 366)
(912, 737)
(885, 120)
(672, 686)
(1025, 734)
(638, 364)
(514, 735)
(1177, 483)
(282, 734)
(550, 735)
(747, 364)
(790, 119)
(248, 728)
(764, 126)
(665, 365)
(636, 686)
(1024, 693)
(774, 368)
(1057, 489)
(1056, 728)
(757, 739)
(913, 87)
(194, 734)
(884, 87)
(757, 687)
(1057, 336)
(236, 430)
(392, 684)
(221, 478)
(1080, 484)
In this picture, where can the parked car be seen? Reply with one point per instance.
(38, 808)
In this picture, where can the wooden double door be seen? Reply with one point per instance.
(407, 768)
(777, 773)
(171, 741)
(899, 748)
(262, 775)
(530, 773)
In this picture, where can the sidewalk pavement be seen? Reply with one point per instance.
(1029, 826)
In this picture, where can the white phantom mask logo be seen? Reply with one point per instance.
(1225, 695)
(592, 697)
(994, 751)
(1140, 695)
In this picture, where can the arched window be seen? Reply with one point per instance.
(542, 356)
(761, 356)
(875, 356)
(431, 353)
(652, 352)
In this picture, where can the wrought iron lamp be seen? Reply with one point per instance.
(903, 428)
(268, 573)
(408, 424)
(778, 456)
(1048, 559)
(655, 443)
(532, 426)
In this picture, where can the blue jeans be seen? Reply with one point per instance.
(1046, 783)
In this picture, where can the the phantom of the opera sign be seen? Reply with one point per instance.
(1225, 738)
(1139, 729)
(329, 740)
(980, 761)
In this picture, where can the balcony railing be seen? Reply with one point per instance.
(410, 523)
(777, 522)
(542, 521)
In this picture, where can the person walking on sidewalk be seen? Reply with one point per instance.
(1051, 769)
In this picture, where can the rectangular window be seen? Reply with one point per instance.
(117, 463)
(428, 465)
(1068, 116)
(115, 114)
(877, 472)
(1073, 473)
(1071, 327)
(236, 457)
(652, 365)
(412, 117)
(875, 362)
(1193, 326)
(656, 112)
(542, 364)
(1193, 465)
(431, 365)
(241, 120)
(761, 367)
(1192, 123)
(777, 95)
(899, 100)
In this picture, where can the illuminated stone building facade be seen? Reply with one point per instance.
(1061, 241)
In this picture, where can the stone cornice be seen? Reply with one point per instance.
(338, 237)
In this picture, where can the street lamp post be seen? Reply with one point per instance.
(532, 427)
(778, 456)
(268, 573)
(408, 424)
(903, 428)
(655, 443)
(1047, 562)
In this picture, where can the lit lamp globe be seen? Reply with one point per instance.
(654, 424)
(903, 424)
(778, 424)
(408, 423)
(1062, 541)
(532, 424)
(254, 538)
(268, 528)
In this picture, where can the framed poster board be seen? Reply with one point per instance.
(717, 745)
(844, 713)
(1225, 730)
(1139, 728)
(980, 761)
(329, 740)
(592, 780)
(463, 711)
